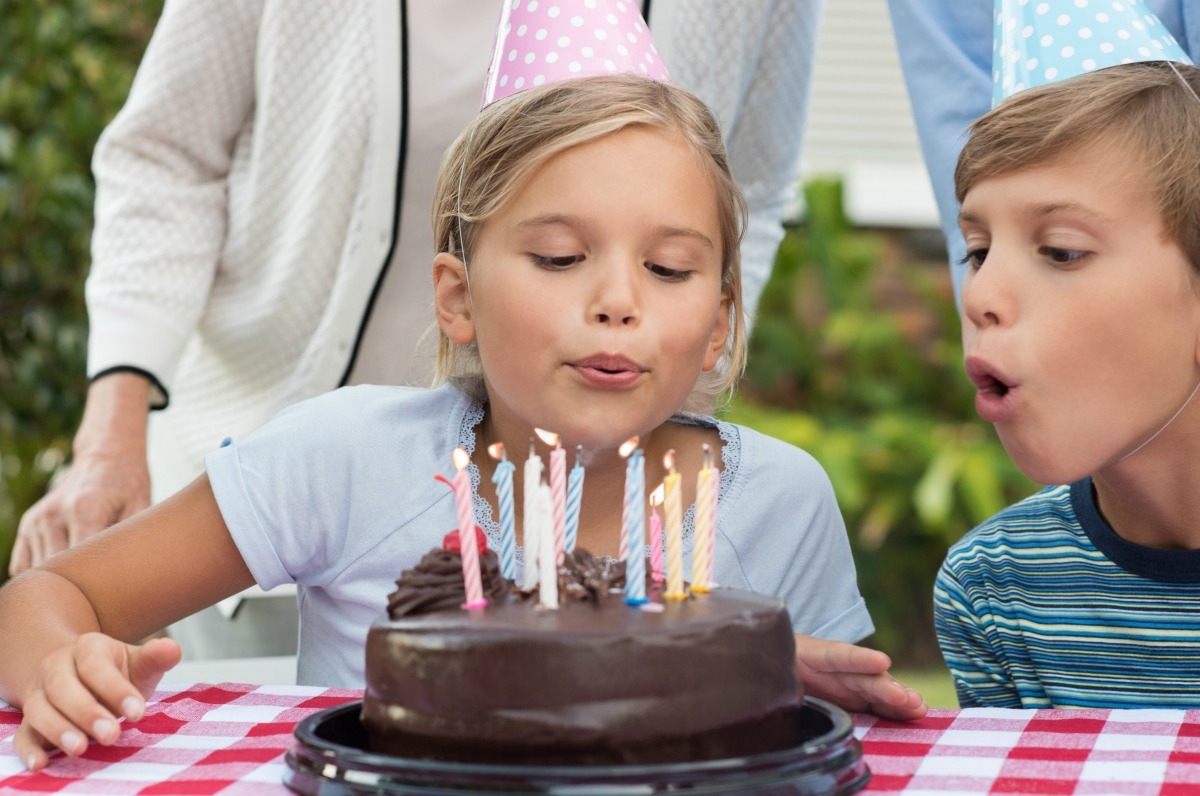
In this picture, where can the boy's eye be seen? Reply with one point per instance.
(1061, 256)
(974, 258)
(555, 263)
(669, 274)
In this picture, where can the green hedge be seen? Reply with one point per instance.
(66, 70)
(856, 358)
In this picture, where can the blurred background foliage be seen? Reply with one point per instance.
(66, 70)
(855, 355)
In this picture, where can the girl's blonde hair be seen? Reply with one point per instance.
(509, 140)
(1151, 110)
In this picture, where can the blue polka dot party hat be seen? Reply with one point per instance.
(1043, 41)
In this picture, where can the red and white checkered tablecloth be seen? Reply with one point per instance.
(986, 751)
(230, 739)
(194, 739)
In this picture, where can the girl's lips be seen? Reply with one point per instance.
(608, 370)
(996, 397)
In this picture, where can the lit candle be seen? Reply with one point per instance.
(466, 531)
(635, 512)
(503, 479)
(656, 546)
(558, 492)
(533, 477)
(627, 448)
(674, 530)
(574, 498)
(706, 520)
(548, 587)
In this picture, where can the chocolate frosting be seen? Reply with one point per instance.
(436, 584)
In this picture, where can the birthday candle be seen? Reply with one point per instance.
(558, 491)
(635, 501)
(503, 479)
(706, 515)
(574, 497)
(627, 447)
(656, 541)
(533, 477)
(468, 544)
(674, 530)
(548, 587)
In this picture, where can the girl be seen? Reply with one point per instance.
(587, 283)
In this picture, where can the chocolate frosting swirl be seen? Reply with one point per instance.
(583, 577)
(436, 584)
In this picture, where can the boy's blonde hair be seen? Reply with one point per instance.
(1145, 108)
(491, 160)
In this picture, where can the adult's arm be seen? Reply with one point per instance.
(161, 210)
(752, 63)
(945, 51)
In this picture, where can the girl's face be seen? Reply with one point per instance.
(1081, 320)
(595, 291)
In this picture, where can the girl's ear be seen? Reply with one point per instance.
(720, 334)
(452, 300)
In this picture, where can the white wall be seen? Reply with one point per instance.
(860, 124)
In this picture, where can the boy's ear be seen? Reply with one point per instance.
(720, 334)
(452, 300)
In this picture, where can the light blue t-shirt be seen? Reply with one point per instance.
(337, 495)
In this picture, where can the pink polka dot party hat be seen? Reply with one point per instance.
(1043, 41)
(547, 41)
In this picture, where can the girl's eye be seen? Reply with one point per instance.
(669, 274)
(556, 263)
(1061, 256)
(974, 258)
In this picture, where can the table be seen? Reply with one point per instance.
(229, 738)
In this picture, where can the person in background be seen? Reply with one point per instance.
(945, 51)
(1081, 314)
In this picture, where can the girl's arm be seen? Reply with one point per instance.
(855, 678)
(70, 626)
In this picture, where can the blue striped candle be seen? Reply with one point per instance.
(635, 505)
(503, 479)
(574, 497)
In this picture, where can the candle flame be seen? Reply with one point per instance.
(669, 460)
(548, 437)
(708, 456)
(496, 450)
(460, 458)
(628, 447)
(656, 497)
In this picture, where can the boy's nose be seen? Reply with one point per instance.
(985, 300)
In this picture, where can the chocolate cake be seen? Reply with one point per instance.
(596, 681)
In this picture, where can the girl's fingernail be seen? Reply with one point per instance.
(104, 729)
(31, 761)
(71, 742)
(132, 708)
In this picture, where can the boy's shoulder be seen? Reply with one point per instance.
(1044, 520)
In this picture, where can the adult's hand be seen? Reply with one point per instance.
(107, 481)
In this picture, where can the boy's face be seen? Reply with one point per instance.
(596, 289)
(1081, 321)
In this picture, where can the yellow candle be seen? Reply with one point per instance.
(706, 516)
(674, 529)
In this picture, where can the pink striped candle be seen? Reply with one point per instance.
(472, 578)
(656, 538)
(558, 492)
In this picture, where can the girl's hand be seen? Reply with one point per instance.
(83, 688)
(854, 678)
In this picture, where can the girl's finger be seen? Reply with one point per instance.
(30, 747)
(66, 690)
(50, 727)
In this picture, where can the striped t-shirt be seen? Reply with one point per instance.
(1044, 605)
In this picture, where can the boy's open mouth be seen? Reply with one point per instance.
(993, 390)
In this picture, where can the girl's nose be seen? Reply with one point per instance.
(616, 300)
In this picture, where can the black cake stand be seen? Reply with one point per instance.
(331, 758)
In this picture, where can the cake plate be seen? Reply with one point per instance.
(331, 758)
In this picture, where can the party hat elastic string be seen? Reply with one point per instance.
(1163, 428)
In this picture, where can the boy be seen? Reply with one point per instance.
(1081, 215)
